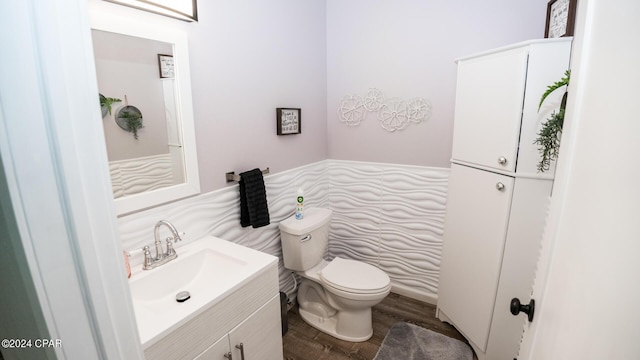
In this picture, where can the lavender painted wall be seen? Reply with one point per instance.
(247, 59)
(407, 48)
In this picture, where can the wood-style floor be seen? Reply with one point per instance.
(303, 342)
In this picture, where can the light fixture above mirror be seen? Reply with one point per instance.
(185, 10)
(130, 47)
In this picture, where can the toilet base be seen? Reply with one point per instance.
(333, 315)
(328, 325)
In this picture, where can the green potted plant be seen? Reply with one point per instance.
(106, 103)
(548, 139)
(129, 118)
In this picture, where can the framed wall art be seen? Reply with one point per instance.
(165, 63)
(561, 16)
(288, 121)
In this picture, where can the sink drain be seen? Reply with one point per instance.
(183, 296)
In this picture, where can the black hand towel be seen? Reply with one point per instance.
(253, 199)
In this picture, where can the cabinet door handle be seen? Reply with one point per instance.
(502, 160)
(500, 186)
(241, 347)
(228, 356)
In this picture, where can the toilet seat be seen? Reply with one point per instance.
(354, 277)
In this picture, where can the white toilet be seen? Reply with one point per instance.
(334, 296)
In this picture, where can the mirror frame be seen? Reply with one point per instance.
(179, 39)
(162, 8)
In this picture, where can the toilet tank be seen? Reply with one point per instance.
(304, 242)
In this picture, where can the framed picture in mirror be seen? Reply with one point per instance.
(560, 18)
(165, 62)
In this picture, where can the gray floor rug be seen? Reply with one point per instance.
(410, 342)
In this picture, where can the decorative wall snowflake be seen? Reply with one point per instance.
(351, 110)
(418, 109)
(374, 100)
(393, 115)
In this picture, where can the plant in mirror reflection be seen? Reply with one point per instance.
(133, 120)
(106, 103)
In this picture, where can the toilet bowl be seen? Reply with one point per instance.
(334, 296)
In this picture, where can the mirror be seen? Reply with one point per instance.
(145, 97)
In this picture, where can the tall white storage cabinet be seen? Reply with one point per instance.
(497, 200)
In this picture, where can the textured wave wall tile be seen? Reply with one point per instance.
(354, 197)
(138, 175)
(218, 213)
(116, 180)
(391, 216)
(412, 227)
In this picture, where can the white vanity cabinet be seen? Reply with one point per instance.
(497, 201)
(248, 314)
(258, 337)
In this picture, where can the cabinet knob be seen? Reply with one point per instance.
(500, 186)
(502, 160)
(228, 356)
(516, 308)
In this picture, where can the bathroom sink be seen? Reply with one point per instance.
(208, 268)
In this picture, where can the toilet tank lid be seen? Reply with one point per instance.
(313, 219)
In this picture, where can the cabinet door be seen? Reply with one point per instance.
(488, 110)
(216, 351)
(526, 225)
(260, 334)
(474, 238)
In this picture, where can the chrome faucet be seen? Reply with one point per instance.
(161, 257)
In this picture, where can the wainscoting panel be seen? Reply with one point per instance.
(142, 174)
(218, 213)
(412, 227)
(391, 216)
(354, 197)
